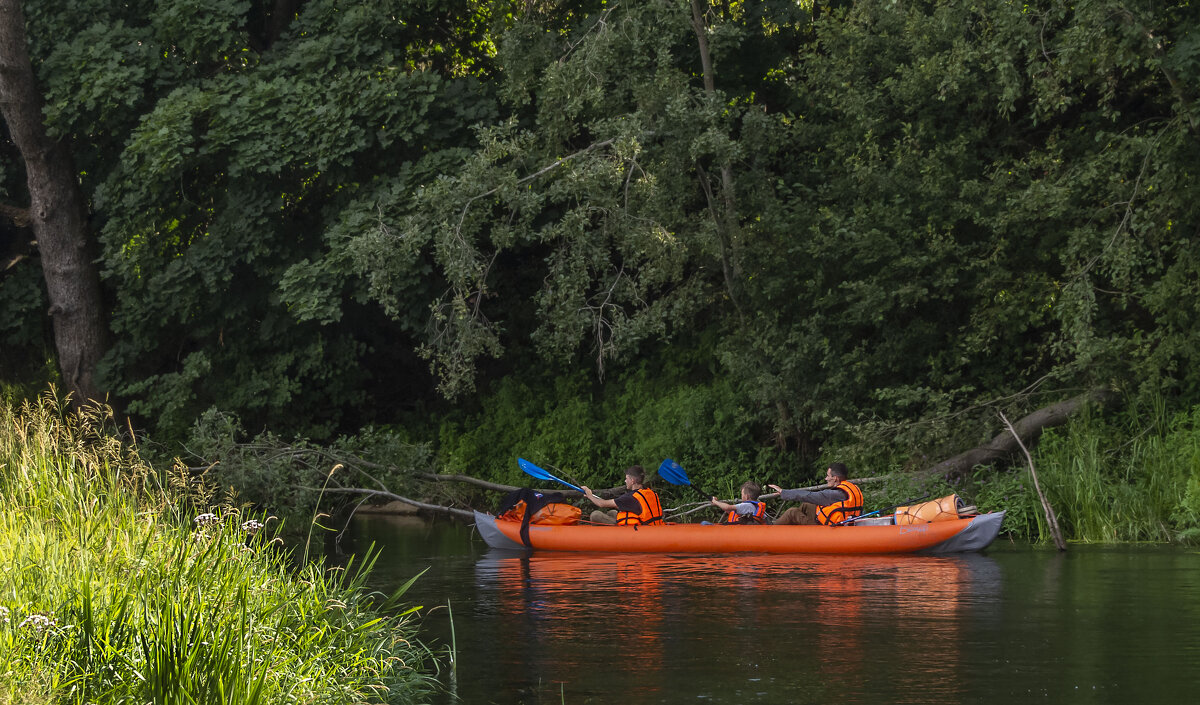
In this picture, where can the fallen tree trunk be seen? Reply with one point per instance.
(1006, 443)
(490, 485)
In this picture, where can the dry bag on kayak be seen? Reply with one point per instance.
(516, 503)
(940, 509)
(557, 514)
(532, 507)
(542, 508)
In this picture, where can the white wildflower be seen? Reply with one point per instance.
(253, 526)
(39, 622)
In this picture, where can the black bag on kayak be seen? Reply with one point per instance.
(526, 504)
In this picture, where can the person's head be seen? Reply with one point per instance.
(751, 491)
(835, 473)
(635, 476)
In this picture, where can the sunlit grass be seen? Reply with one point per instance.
(113, 590)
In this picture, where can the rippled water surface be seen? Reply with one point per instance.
(1015, 624)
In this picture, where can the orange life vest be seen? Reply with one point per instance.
(758, 517)
(850, 507)
(651, 509)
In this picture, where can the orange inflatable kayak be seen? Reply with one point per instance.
(953, 536)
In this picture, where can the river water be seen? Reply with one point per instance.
(1014, 624)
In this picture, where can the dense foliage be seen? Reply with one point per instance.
(758, 232)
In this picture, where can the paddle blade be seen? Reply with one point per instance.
(671, 471)
(531, 469)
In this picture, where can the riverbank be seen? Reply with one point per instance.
(123, 583)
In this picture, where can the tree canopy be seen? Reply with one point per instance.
(854, 218)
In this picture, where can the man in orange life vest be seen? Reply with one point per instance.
(748, 511)
(841, 500)
(640, 505)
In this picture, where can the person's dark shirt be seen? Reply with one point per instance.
(628, 503)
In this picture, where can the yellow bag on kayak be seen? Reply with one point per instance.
(940, 509)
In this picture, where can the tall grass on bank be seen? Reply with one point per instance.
(112, 591)
(1119, 480)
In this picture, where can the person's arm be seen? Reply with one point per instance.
(598, 501)
(723, 506)
(792, 495)
(829, 496)
(741, 508)
(817, 497)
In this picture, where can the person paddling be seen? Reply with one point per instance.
(640, 505)
(841, 500)
(750, 510)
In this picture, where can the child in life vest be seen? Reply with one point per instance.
(750, 510)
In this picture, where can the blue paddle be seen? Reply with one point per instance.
(673, 473)
(531, 469)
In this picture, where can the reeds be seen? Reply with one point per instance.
(113, 590)
(1119, 481)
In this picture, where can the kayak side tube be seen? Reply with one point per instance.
(977, 535)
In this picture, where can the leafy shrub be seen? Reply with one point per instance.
(1008, 490)
(1184, 450)
(589, 432)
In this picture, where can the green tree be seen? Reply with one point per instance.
(603, 214)
(226, 155)
(982, 205)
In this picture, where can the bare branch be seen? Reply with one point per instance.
(1051, 518)
(462, 513)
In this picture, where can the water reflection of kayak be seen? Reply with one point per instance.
(951, 536)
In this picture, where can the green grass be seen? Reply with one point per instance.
(113, 591)
(1113, 480)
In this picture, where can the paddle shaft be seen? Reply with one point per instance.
(559, 479)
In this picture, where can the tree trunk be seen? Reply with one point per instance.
(282, 14)
(1024, 430)
(56, 213)
(727, 219)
